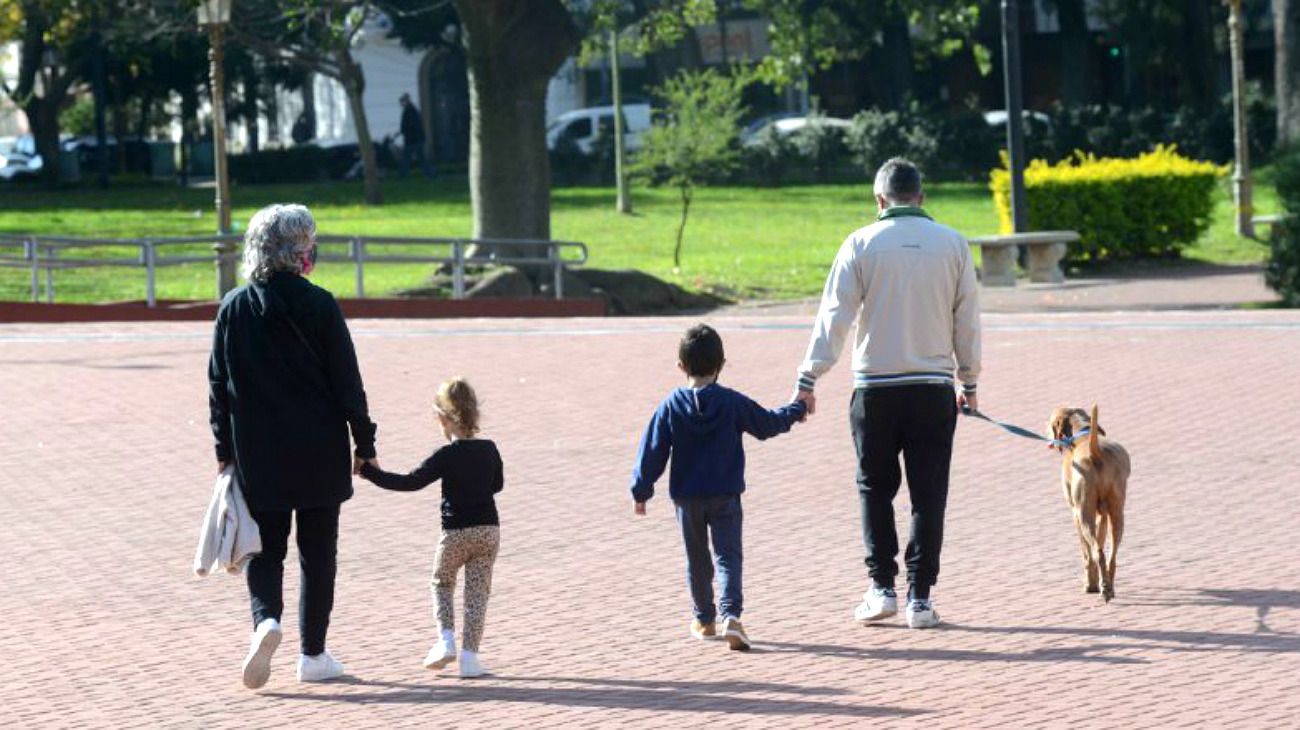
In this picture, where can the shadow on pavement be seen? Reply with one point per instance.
(1093, 653)
(623, 694)
(1263, 601)
(1263, 642)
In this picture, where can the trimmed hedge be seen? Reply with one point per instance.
(1283, 270)
(1153, 205)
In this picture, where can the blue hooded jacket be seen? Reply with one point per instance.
(700, 430)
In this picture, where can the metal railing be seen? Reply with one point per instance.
(46, 254)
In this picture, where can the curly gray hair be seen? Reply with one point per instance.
(276, 238)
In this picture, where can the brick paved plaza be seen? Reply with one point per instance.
(108, 470)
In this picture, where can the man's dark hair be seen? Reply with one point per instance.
(700, 351)
(898, 180)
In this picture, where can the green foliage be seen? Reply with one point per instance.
(810, 35)
(78, 119)
(1283, 269)
(1113, 131)
(1154, 205)
(695, 142)
(878, 135)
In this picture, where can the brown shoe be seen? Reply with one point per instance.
(703, 631)
(734, 633)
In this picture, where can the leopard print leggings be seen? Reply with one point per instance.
(475, 548)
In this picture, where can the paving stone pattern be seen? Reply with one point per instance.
(108, 466)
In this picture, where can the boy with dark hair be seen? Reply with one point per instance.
(699, 428)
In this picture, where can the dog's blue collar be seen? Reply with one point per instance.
(1067, 443)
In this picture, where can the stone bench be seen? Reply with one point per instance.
(1273, 221)
(1046, 249)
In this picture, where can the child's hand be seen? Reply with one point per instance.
(640, 509)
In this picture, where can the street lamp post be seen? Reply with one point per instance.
(214, 15)
(1241, 187)
(1015, 114)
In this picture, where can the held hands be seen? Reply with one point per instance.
(640, 509)
(357, 463)
(809, 399)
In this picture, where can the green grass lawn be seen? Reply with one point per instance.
(773, 243)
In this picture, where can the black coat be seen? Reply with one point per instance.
(412, 127)
(279, 410)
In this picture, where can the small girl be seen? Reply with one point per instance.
(470, 470)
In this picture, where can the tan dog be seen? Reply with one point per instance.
(1095, 475)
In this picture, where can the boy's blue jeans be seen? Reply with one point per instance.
(720, 518)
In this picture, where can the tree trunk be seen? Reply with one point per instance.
(43, 117)
(354, 83)
(251, 107)
(681, 226)
(1286, 25)
(1074, 51)
(1201, 73)
(897, 41)
(514, 47)
(189, 113)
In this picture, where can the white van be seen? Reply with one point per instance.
(584, 125)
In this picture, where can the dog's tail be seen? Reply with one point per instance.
(1094, 428)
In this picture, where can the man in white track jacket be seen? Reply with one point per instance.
(908, 283)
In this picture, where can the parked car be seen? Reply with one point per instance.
(19, 159)
(788, 124)
(998, 118)
(584, 126)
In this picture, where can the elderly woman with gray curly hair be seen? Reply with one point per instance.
(284, 388)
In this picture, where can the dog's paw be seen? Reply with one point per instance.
(1108, 594)
(1091, 589)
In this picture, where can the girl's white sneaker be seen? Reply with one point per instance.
(318, 668)
(442, 653)
(470, 666)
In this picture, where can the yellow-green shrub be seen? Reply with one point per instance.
(1152, 205)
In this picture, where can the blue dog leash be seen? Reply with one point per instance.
(1015, 430)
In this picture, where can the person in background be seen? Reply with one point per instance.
(412, 129)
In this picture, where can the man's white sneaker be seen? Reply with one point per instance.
(442, 653)
(469, 665)
(877, 603)
(318, 668)
(921, 614)
(257, 665)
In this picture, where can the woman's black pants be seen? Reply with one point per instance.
(318, 538)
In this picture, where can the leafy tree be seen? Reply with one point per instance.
(696, 141)
(48, 31)
(810, 35)
(317, 36)
(1286, 33)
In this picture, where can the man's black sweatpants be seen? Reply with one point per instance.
(917, 421)
(318, 539)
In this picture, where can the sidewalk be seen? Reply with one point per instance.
(1191, 286)
(108, 468)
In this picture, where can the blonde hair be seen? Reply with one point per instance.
(458, 403)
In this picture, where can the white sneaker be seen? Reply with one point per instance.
(442, 653)
(469, 665)
(921, 614)
(877, 603)
(257, 665)
(318, 668)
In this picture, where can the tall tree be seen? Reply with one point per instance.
(1286, 33)
(318, 36)
(811, 35)
(47, 31)
(514, 47)
(1073, 20)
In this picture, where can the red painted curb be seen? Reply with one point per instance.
(189, 311)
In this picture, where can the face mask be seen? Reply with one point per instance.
(309, 260)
